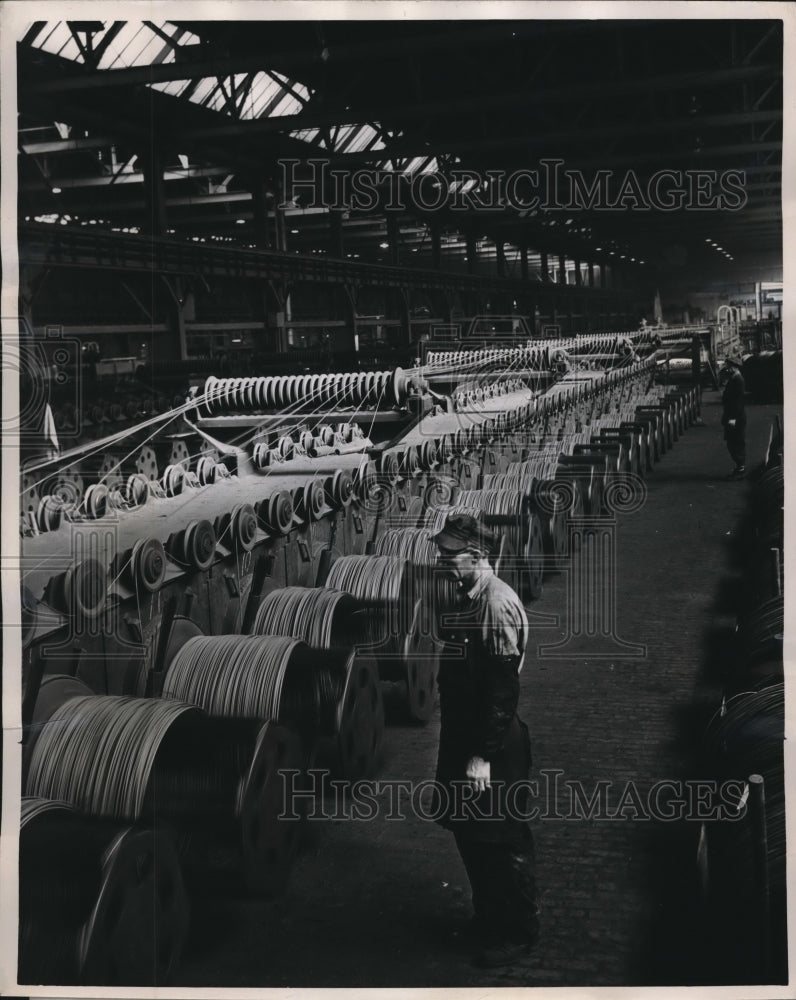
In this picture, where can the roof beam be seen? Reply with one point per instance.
(419, 147)
(133, 177)
(514, 100)
(316, 56)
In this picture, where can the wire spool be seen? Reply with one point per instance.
(328, 620)
(385, 586)
(146, 569)
(359, 720)
(54, 690)
(321, 617)
(435, 517)
(251, 677)
(99, 903)
(268, 840)
(762, 631)
(98, 752)
(396, 629)
(507, 510)
(768, 503)
(746, 736)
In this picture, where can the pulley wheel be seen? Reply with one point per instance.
(139, 923)
(314, 500)
(95, 501)
(286, 447)
(428, 454)
(269, 840)
(390, 468)
(136, 490)
(148, 564)
(173, 480)
(398, 386)
(49, 513)
(279, 516)
(199, 545)
(85, 589)
(340, 488)
(260, 456)
(244, 527)
(206, 469)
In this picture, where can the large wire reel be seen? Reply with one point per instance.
(398, 634)
(352, 708)
(248, 677)
(435, 593)
(100, 903)
(139, 759)
(509, 511)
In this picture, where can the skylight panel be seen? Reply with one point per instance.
(306, 134)
(289, 105)
(173, 87)
(61, 42)
(134, 43)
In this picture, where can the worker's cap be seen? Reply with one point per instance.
(463, 531)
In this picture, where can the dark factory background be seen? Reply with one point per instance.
(292, 291)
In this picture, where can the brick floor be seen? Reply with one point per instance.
(380, 904)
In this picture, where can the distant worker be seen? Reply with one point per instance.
(696, 372)
(733, 416)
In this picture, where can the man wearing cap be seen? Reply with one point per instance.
(733, 417)
(484, 751)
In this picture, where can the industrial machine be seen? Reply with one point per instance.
(238, 580)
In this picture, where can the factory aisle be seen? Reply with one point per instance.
(381, 903)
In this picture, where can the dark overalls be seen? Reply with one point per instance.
(733, 402)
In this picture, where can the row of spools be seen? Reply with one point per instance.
(230, 712)
(745, 743)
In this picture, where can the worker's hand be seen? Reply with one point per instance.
(731, 423)
(478, 771)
